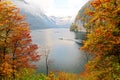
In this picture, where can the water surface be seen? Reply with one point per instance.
(64, 52)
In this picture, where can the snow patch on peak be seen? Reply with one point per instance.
(62, 21)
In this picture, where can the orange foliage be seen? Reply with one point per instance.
(15, 41)
(103, 42)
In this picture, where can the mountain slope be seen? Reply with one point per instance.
(81, 18)
(34, 15)
(82, 15)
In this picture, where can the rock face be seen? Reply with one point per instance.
(82, 18)
(34, 15)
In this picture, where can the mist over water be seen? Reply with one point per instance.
(64, 52)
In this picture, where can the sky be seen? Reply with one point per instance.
(59, 7)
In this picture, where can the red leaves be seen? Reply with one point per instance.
(16, 48)
(90, 13)
(34, 57)
(95, 3)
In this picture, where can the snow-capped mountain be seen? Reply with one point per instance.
(62, 21)
(37, 19)
(34, 15)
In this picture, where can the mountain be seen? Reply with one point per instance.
(61, 22)
(81, 14)
(34, 15)
(81, 18)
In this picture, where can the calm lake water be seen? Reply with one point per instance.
(63, 46)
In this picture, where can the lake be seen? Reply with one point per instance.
(63, 47)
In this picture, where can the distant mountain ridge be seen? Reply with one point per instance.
(62, 21)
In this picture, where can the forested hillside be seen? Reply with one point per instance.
(101, 18)
(103, 41)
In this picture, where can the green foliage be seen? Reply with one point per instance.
(29, 74)
(74, 27)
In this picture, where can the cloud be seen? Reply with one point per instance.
(49, 6)
(75, 5)
(41, 3)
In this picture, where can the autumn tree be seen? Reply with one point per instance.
(103, 42)
(16, 48)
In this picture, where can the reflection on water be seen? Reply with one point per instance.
(65, 54)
